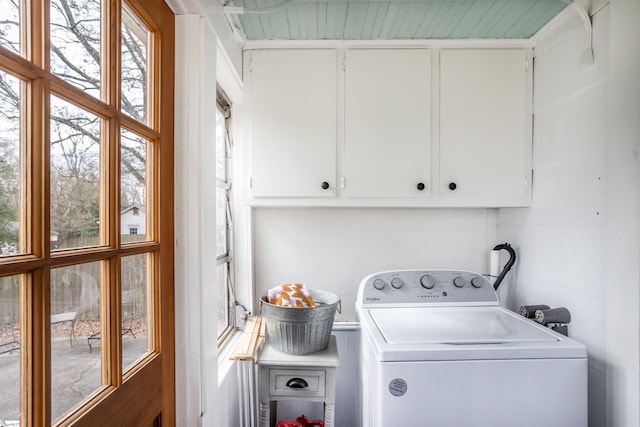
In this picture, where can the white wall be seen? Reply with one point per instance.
(203, 395)
(623, 218)
(332, 249)
(578, 243)
(194, 276)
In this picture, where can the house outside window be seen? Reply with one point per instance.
(133, 223)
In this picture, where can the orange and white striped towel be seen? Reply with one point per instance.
(290, 295)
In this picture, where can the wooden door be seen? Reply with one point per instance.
(87, 136)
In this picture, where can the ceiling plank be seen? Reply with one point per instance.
(395, 19)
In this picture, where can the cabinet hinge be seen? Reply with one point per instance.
(250, 62)
(526, 64)
(343, 63)
(342, 182)
(250, 183)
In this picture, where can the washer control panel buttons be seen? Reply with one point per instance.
(458, 282)
(477, 282)
(378, 284)
(428, 281)
(441, 287)
(396, 283)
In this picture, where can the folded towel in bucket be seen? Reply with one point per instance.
(290, 295)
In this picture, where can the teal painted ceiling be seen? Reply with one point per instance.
(394, 19)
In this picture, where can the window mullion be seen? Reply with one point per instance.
(36, 360)
(111, 268)
(35, 33)
(110, 235)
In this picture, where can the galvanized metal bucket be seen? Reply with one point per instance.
(301, 330)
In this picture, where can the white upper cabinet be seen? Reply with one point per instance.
(485, 128)
(293, 123)
(389, 127)
(387, 142)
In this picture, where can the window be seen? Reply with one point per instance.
(224, 235)
(86, 137)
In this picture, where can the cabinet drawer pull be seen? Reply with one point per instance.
(297, 383)
(420, 186)
(452, 186)
(325, 185)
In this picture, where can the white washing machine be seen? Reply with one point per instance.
(438, 350)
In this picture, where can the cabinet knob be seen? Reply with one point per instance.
(420, 186)
(452, 186)
(325, 185)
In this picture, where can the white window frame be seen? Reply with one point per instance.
(223, 104)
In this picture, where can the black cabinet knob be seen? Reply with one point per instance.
(420, 186)
(452, 186)
(325, 185)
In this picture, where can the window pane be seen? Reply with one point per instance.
(75, 176)
(223, 299)
(75, 43)
(135, 37)
(221, 148)
(223, 224)
(221, 221)
(75, 335)
(135, 341)
(133, 187)
(9, 348)
(10, 165)
(10, 25)
(221, 182)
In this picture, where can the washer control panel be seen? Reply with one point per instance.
(426, 286)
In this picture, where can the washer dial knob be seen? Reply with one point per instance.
(396, 283)
(458, 282)
(378, 284)
(477, 282)
(428, 281)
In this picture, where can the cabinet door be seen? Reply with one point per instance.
(387, 123)
(483, 124)
(293, 123)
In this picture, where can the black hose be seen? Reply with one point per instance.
(508, 265)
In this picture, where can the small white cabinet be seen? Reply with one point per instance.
(293, 123)
(484, 125)
(387, 147)
(310, 377)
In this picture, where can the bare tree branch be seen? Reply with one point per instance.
(82, 75)
(75, 29)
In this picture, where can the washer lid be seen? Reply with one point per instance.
(455, 325)
(461, 333)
